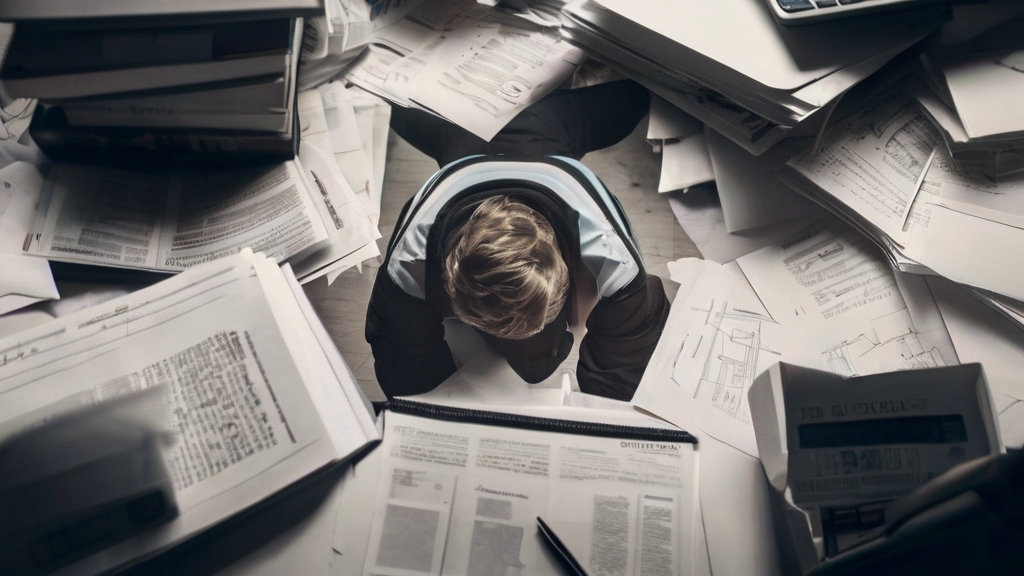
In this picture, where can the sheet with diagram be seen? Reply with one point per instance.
(844, 308)
(872, 163)
(886, 171)
(460, 498)
(825, 299)
(717, 339)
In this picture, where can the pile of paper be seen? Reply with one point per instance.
(825, 298)
(468, 63)
(753, 91)
(885, 171)
(319, 212)
(258, 397)
(975, 99)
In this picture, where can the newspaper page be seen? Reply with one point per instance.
(458, 498)
(243, 387)
(170, 221)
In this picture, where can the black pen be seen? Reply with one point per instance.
(572, 565)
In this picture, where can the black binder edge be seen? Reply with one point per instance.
(489, 418)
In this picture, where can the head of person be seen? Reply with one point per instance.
(503, 271)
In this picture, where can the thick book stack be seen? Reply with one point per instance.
(164, 83)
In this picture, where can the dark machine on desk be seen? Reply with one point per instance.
(898, 473)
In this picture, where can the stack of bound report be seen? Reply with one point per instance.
(729, 64)
(256, 393)
(207, 86)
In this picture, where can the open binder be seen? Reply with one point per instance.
(458, 489)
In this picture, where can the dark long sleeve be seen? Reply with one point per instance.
(407, 338)
(622, 333)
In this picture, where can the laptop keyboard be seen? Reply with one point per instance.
(801, 5)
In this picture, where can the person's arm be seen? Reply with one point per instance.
(406, 335)
(622, 332)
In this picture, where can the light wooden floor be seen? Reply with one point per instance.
(630, 170)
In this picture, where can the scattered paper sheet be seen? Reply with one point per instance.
(980, 334)
(842, 306)
(986, 93)
(872, 162)
(24, 280)
(667, 122)
(168, 222)
(685, 163)
(349, 227)
(479, 69)
(699, 213)
(749, 188)
(717, 339)
(824, 299)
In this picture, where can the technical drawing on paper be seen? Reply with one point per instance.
(894, 345)
(730, 343)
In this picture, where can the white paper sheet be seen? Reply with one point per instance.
(25, 279)
(986, 92)
(980, 334)
(685, 163)
(699, 212)
(842, 306)
(667, 122)
(349, 227)
(737, 514)
(749, 188)
(480, 68)
(717, 339)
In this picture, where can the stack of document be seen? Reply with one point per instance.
(885, 171)
(729, 64)
(318, 212)
(465, 62)
(161, 83)
(975, 101)
(257, 395)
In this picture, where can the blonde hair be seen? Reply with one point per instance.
(503, 272)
